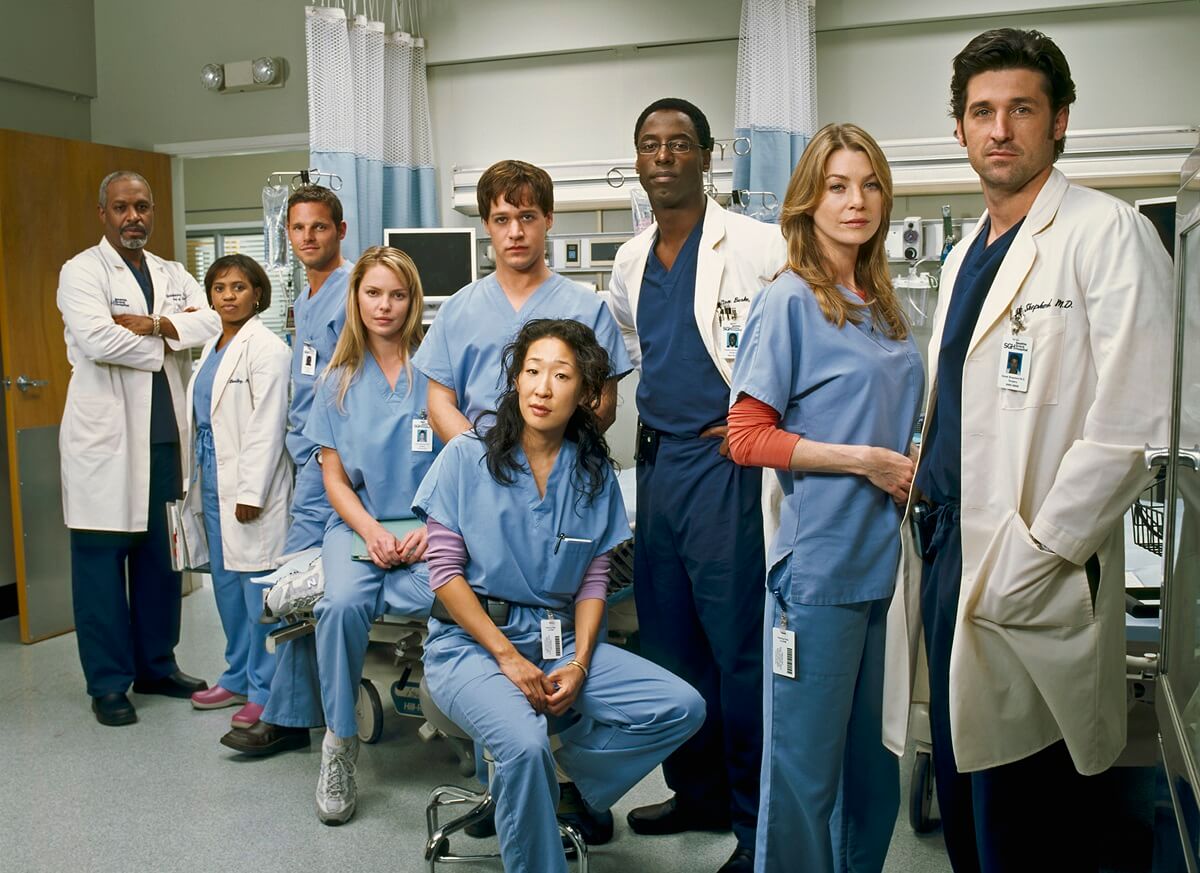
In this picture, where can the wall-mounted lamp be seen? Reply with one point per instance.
(237, 76)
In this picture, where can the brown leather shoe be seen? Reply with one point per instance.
(265, 739)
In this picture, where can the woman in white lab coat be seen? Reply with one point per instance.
(237, 413)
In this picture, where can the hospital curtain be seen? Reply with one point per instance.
(368, 111)
(776, 97)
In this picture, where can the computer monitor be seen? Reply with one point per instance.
(1161, 212)
(445, 257)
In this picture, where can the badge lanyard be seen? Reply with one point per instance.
(1016, 355)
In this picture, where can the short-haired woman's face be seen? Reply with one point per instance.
(851, 205)
(233, 296)
(549, 385)
(383, 301)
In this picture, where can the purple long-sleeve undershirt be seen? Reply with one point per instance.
(447, 557)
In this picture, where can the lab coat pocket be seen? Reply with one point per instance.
(94, 427)
(1047, 331)
(1021, 585)
(569, 562)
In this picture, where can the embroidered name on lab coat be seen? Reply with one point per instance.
(1049, 304)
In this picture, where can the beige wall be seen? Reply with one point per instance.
(552, 81)
(48, 67)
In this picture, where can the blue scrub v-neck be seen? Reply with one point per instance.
(681, 392)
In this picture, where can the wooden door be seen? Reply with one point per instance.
(49, 189)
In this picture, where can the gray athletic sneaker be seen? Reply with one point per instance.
(336, 789)
(295, 586)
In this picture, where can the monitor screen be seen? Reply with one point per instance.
(445, 256)
(1161, 212)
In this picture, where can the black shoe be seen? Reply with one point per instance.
(741, 861)
(114, 709)
(484, 828)
(594, 826)
(265, 739)
(669, 817)
(177, 684)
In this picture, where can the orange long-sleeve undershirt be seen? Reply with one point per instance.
(755, 438)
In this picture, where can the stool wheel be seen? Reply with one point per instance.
(369, 712)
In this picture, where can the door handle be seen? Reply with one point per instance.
(24, 383)
(1159, 456)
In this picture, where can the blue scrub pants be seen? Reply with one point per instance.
(304, 694)
(310, 508)
(699, 568)
(126, 597)
(239, 601)
(634, 715)
(830, 789)
(295, 699)
(1033, 814)
(355, 593)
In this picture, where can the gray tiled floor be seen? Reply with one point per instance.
(164, 796)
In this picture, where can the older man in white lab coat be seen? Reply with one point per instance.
(1050, 377)
(130, 319)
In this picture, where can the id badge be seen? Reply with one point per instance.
(731, 339)
(308, 360)
(422, 435)
(1016, 359)
(552, 645)
(783, 652)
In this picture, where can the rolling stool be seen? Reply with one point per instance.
(437, 846)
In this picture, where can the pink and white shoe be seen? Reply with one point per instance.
(247, 716)
(216, 698)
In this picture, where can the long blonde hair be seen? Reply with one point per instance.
(806, 257)
(351, 349)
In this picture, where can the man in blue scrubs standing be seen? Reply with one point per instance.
(680, 293)
(316, 230)
(1026, 475)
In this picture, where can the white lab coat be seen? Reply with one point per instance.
(104, 440)
(738, 257)
(249, 420)
(1033, 661)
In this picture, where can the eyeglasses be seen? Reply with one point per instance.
(674, 146)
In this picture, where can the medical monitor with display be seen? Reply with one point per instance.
(445, 256)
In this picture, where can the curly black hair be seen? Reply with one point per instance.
(502, 440)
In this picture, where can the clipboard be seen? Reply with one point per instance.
(397, 527)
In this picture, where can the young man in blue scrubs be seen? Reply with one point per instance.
(316, 230)
(681, 290)
(462, 352)
(1025, 477)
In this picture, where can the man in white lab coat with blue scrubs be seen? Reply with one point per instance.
(131, 319)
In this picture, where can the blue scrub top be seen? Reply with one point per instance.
(319, 321)
(940, 475)
(681, 391)
(202, 391)
(373, 437)
(163, 427)
(851, 385)
(464, 345)
(521, 547)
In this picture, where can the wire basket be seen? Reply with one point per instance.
(1149, 513)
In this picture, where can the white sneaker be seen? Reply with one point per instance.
(336, 789)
